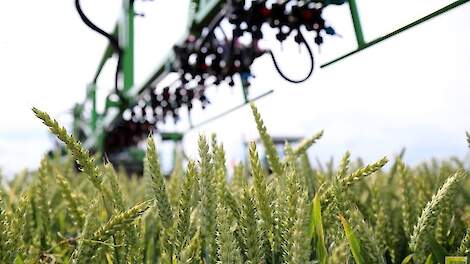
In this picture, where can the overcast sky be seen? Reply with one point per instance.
(410, 91)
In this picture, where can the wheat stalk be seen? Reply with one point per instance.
(427, 220)
(201, 216)
(80, 154)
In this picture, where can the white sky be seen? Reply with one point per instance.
(410, 91)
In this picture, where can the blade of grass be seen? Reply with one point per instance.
(456, 260)
(316, 230)
(354, 243)
(408, 259)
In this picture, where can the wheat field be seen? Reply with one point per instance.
(292, 213)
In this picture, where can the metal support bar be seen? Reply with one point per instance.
(127, 40)
(206, 9)
(356, 23)
(108, 53)
(91, 95)
(245, 86)
(161, 71)
(245, 93)
(229, 111)
(204, 13)
(173, 136)
(398, 31)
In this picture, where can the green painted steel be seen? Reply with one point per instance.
(94, 112)
(229, 110)
(173, 136)
(209, 8)
(398, 31)
(356, 23)
(201, 13)
(245, 92)
(108, 53)
(127, 32)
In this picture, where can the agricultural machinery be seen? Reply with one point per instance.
(207, 55)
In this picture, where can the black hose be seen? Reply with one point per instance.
(312, 62)
(112, 40)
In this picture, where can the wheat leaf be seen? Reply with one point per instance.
(354, 243)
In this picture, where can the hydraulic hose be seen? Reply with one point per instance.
(112, 40)
(312, 62)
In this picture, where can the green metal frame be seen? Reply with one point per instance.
(233, 109)
(127, 38)
(362, 44)
(124, 32)
(201, 13)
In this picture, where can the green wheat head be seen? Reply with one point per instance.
(298, 211)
